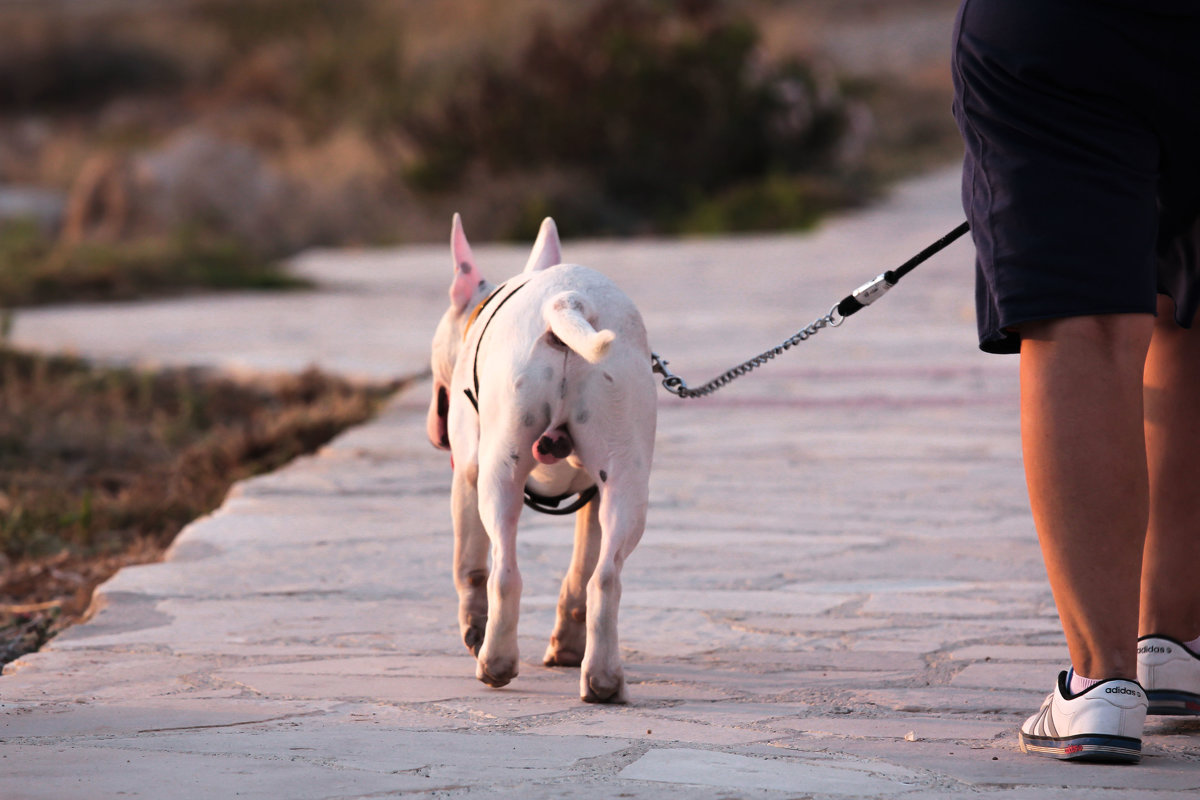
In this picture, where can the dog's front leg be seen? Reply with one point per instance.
(569, 640)
(622, 520)
(500, 503)
(470, 559)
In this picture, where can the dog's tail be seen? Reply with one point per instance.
(567, 316)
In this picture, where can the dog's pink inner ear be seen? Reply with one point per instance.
(466, 274)
(466, 280)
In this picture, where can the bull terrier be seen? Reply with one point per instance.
(542, 388)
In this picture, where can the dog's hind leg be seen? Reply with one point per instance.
(470, 559)
(569, 640)
(623, 501)
(500, 501)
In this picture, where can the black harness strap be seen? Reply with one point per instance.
(549, 505)
(538, 502)
(473, 396)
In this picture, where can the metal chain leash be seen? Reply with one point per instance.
(678, 386)
(860, 298)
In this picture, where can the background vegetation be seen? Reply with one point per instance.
(242, 130)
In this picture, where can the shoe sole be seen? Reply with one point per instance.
(1084, 747)
(1168, 702)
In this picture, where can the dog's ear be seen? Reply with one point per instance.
(466, 274)
(546, 250)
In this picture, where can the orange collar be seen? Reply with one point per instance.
(475, 313)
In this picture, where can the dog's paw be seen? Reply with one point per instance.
(604, 689)
(558, 656)
(567, 643)
(496, 674)
(473, 637)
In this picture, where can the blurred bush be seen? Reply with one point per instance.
(331, 63)
(657, 106)
(46, 66)
(278, 124)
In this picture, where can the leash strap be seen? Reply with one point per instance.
(852, 303)
(878, 286)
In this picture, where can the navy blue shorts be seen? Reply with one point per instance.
(1081, 181)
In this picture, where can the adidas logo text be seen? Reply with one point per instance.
(1121, 690)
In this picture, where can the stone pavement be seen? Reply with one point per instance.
(838, 595)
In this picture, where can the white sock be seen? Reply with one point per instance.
(1077, 683)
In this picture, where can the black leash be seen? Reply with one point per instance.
(849, 305)
(871, 291)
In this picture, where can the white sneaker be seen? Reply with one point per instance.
(1101, 723)
(1171, 674)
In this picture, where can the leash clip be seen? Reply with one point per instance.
(671, 382)
(873, 289)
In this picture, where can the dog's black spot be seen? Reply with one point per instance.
(514, 457)
(608, 377)
(465, 267)
(480, 284)
(582, 416)
(548, 373)
(527, 419)
(603, 476)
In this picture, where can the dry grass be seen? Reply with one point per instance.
(100, 468)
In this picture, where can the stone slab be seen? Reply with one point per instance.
(838, 554)
(823, 776)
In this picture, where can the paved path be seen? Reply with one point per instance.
(839, 593)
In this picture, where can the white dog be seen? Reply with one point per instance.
(542, 387)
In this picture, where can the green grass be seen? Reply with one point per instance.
(35, 270)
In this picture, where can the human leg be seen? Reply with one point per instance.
(1170, 596)
(1085, 465)
(1063, 186)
